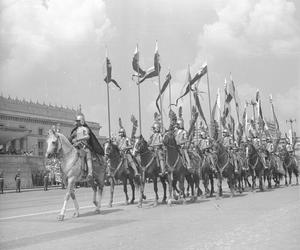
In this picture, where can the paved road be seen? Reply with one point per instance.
(261, 220)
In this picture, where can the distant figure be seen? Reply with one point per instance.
(46, 181)
(1, 180)
(18, 181)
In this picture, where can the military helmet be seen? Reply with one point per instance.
(156, 127)
(225, 132)
(180, 123)
(203, 134)
(122, 132)
(80, 118)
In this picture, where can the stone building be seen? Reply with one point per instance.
(24, 126)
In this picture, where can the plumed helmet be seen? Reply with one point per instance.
(122, 132)
(80, 118)
(156, 126)
(180, 123)
(225, 132)
(203, 134)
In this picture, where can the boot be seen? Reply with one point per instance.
(90, 170)
(132, 164)
(162, 168)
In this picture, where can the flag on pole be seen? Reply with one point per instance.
(165, 85)
(274, 115)
(259, 111)
(195, 79)
(197, 102)
(136, 63)
(155, 70)
(108, 77)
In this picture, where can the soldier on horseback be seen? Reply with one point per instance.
(85, 141)
(124, 145)
(182, 140)
(205, 147)
(229, 145)
(260, 149)
(155, 142)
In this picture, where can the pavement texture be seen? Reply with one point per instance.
(251, 220)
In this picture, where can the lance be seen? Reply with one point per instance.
(108, 104)
(209, 101)
(159, 86)
(170, 96)
(139, 92)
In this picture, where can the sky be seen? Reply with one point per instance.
(53, 51)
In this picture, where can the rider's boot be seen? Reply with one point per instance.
(90, 170)
(188, 161)
(133, 165)
(162, 168)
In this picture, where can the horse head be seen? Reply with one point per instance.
(53, 144)
(110, 149)
(140, 145)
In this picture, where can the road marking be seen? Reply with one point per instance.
(49, 212)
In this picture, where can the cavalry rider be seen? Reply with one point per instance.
(182, 141)
(86, 142)
(155, 142)
(260, 148)
(205, 147)
(229, 145)
(124, 146)
(290, 148)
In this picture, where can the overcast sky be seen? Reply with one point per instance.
(53, 51)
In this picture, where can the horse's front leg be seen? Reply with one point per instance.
(163, 182)
(170, 181)
(219, 183)
(100, 194)
(70, 187)
(155, 191)
(112, 188)
(125, 190)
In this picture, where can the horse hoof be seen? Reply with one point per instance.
(110, 204)
(139, 205)
(132, 201)
(97, 211)
(144, 197)
(155, 204)
(95, 203)
(175, 197)
(126, 202)
(169, 202)
(76, 214)
(164, 201)
(60, 217)
(184, 202)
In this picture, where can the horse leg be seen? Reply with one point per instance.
(132, 190)
(61, 215)
(181, 188)
(100, 193)
(163, 182)
(290, 176)
(261, 187)
(76, 206)
(285, 176)
(170, 181)
(253, 180)
(125, 190)
(212, 189)
(141, 187)
(155, 191)
(112, 188)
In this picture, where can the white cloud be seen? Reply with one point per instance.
(251, 28)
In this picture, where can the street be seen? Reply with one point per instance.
(261, 220)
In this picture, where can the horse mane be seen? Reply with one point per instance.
(64, 139)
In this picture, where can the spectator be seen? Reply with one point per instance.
(1, 180)
(18, 181)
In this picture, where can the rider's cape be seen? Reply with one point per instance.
(93, 142)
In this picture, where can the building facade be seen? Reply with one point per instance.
(24, 125)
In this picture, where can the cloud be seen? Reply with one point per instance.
(251, 28)
(32, 35)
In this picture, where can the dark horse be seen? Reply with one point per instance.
(290, 166)
(118, 171)
(256, 166)
(150, 168)
(224, 167)
(175, 166)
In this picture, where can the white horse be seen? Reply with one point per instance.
(59, 146)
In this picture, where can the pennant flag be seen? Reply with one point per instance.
(108, 78)
(165, 85)
(155, 70)
(157, 66)
(135, 63)
(259, 111)
(197, 102)
(228, 97)
(274, 115)
(195, 79)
